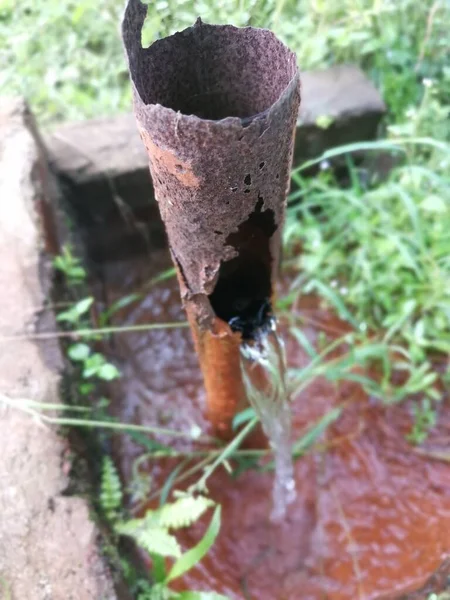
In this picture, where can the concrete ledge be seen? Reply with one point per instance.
(48, 544)
(343, 97)
(105, 163)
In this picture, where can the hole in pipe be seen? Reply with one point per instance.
(242, 298)
(242, 293)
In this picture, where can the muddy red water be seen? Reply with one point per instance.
(372, 515)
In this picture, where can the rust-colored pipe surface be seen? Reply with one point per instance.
(216, 108)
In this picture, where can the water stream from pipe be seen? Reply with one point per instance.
(263, 365)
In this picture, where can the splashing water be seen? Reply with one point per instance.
(263, 365)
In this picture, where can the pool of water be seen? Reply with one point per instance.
(371, 515)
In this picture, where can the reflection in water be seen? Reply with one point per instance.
(263, 365)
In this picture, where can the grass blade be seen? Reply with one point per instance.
(193, 556)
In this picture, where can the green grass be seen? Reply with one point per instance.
(380, 253)
(66, 56)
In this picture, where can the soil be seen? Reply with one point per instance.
(372, 515)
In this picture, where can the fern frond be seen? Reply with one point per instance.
(153, 539)
(183, 512)
(111, 489)
(152, 531)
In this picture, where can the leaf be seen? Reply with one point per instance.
(59, 263)
(434, 204)
(116, 306)
(354, 147)
(303, 342)
(183, 512)
(93, 364)
(85, 388)
(77, 273)
(190, 558)
(158, 568)
(159, 541)
(70, 266)
(108, 372)
(78, 352)
(68, 316)
(157, 591)
(242, 417)
(324, 121)
(76, 311)
(153, 539)
(83, 306)
(167, 274)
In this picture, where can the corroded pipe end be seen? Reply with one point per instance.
(218, 349)
(216, 108)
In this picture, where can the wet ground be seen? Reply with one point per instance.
(372, 515)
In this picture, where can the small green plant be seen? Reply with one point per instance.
(92, 364)
(75, 317)
(424, 419)
(70, 265)
(111, 490)
(154, 533)
(76, 312)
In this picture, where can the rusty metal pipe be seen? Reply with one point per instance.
(216, 108)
